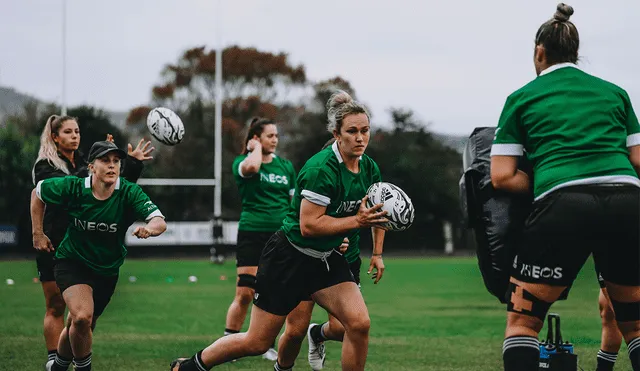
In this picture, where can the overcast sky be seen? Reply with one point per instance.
(452, 62)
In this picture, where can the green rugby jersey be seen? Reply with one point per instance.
(266, 195)
(326, 181)
(96, 231)
(575, 128)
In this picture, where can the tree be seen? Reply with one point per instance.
(410, 157)
(253, 82)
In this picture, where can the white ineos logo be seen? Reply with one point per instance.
(540, 272)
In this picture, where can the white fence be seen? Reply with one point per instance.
(186, 234)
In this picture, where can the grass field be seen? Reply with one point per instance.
(427, 314)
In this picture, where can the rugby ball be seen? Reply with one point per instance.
(165, 126)
(396, 203)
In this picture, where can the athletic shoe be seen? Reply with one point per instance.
(316, 351)
(271, 355)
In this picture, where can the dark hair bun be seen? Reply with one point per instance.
(563, 12)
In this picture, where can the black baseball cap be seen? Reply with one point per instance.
(99, 149)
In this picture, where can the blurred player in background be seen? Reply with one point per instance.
(100, 208)
(58, 157)
(300, 259)
(266, 183)
(583, 138)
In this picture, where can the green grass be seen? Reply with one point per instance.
(427, 314)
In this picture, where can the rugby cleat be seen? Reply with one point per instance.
(316, 351)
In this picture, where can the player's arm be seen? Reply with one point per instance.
(317, 185)
(154, 227)
(633, 135)
(146, 210)
(376, 263)
(506, 176)
(40, 240)
(55, 191)
(251, 164)
(508, 146)
(314, 222)
(135, 157)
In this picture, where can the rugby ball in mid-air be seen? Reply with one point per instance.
(396, 203)
(165, 126)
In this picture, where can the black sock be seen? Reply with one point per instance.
(521, 353)
(606, 360)
(230, 332)
(634, 353)
(51, 354)
(316, 334)
(277, 367)
(83, 364)
(194, 363)
(60, 363)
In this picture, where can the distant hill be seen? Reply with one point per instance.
(12, 102)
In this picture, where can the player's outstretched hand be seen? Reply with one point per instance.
(370, 216)
(141, 232)
(378, 265)
(142, 151)
(42, 243)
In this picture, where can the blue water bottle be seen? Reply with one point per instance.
(556, 355)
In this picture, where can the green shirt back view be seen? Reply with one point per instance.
(590, 121)
(325, 180)
(97, 228)
(265, 195)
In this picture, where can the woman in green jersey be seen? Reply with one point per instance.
(298, 321)
(266, 183)
(583, 138)
(100, 207)
(59, 156)
(300, 259)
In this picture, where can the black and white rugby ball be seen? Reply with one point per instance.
(165, 125)
(396, 203)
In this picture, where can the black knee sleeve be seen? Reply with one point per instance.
(523, 302)
(626, 311)
(247, 280)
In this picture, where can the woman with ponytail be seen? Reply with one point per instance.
(583, 138)
(302, 259)
(265, 182)
(59, 157)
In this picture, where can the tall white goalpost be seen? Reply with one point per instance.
(216, 183)
(217, 133)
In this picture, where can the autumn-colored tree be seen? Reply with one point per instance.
(253, 83)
